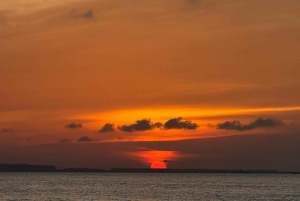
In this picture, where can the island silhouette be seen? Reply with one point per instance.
(52, 168)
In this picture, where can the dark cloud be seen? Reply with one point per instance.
(65, 140)
(176, 123)
(232, 125)
(140, 125)
(6, 130)
(85, 15)
(157, 125)
(146, 124)
(258, 123)
(74, 125)
(85, 139)
(107, 128)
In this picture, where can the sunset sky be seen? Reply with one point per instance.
(125, 83)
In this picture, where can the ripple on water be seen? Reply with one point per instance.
(126, 186)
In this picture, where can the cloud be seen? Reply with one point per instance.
(6, 130)
(85, 139)
(107, 128)
(210, 125)
(122, 138)
(258, 123)
(157, 125)
(73, 125)
(168, 161)
(140, 125)
(232, 125)
(89, 14)
(65, 140)
(146, 124)
(85, 15)
(176, 123)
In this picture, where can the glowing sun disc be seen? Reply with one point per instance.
(158, 165)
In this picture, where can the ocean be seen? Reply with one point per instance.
(148, 186)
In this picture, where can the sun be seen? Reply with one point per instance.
(158, 165)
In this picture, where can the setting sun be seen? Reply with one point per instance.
(158, 165)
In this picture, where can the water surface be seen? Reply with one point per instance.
(148, 186)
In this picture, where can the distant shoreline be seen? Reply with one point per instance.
(52, 168)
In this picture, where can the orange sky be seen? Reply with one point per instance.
(119, 61)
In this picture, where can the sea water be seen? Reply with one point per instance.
(148, 186)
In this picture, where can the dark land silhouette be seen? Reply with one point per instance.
(27, 168)
(52, 168)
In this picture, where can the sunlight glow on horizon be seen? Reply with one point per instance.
(148, 157)
(156, 114)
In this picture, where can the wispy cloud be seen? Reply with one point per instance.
(122, 138)
(6, 130)
(210, 125)
(65, 140)
(84, 15)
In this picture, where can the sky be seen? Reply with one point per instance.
(125, 83)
